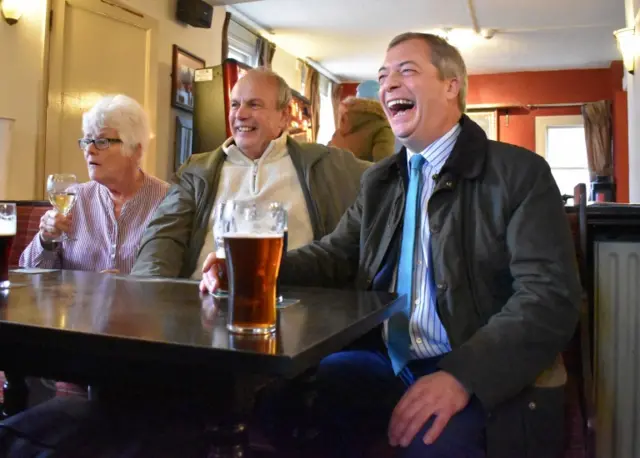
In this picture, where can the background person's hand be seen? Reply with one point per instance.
(209, 280)
(53, 224)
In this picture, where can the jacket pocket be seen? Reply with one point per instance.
(544, 422)
(531, 425)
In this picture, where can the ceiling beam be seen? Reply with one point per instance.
(474, 16)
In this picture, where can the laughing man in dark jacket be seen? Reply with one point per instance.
(474, 234)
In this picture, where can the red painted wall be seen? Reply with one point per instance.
(563, 86)
(516, 125)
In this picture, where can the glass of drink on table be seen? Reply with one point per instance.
(62, 194)
(220, 264)
(8, 225)
(253, 240)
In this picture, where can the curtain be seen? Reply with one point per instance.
(312, 92)
(265, 51)
(597, 132)
(225, 36)
(336, 92)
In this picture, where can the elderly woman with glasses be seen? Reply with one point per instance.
(113, 209)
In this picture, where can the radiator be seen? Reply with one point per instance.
(617, 352)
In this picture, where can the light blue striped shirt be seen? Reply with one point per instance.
(428, 336)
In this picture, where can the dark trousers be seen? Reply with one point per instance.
(355, 393)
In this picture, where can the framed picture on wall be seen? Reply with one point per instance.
(183, 72)
(184, 140)
(488, 120)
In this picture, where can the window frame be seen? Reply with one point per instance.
(542, 125)
(325, 134)
(239, 55)
(242, 41)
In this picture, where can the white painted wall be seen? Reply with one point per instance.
(633, 97)
(288, 66)
(22, 95)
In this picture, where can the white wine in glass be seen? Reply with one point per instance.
(62, 193)
(62, 201)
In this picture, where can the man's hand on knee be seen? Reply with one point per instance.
(439, 394)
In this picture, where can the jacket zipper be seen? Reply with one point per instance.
(254, 178)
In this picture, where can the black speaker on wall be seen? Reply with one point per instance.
(196, 13)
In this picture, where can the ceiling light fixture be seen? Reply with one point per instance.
(464, 38)
(628, 46)
(11, 11)
(488, 34)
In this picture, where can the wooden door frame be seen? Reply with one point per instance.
(38, 190)
(51, 153)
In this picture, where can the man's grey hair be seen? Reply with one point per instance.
(445, 58)
(284, 91)
(123, 114)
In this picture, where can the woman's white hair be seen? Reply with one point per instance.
(123, 114)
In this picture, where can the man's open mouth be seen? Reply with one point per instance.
(398, 107)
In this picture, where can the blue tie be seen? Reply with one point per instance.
(398, 325)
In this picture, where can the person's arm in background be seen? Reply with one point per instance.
(330, 262)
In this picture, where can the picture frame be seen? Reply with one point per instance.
(183, 68)
(183, 141)
(488, 120)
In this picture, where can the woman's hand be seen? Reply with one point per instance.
(53, 224)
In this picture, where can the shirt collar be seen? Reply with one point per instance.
(275, 149)
(438, 152)
(104, 193)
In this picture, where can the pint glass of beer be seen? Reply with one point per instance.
(253, 240)
(8, 223)
(220, 266)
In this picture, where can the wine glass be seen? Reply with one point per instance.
(62, 194)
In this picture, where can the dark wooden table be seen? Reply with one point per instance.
(129, 335)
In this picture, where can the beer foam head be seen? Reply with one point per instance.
(7, 226)
(252, 235)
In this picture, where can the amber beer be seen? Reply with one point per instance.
(7, 235)
(253, 262)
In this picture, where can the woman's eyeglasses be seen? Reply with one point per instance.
(101, 143)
